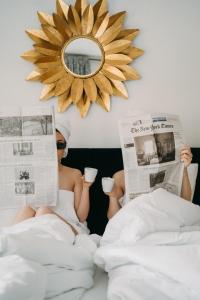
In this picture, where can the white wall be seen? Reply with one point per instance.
(170, 67)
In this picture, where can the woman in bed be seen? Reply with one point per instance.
(116, 197)
(73, 203)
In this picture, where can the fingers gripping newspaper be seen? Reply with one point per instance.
(151, 153)
(28, 157)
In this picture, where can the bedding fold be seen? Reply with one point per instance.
(151, 249)
(47, 241)
(20, 277)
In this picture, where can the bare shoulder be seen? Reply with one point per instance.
(72, 172)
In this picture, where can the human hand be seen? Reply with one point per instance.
(86, 184)
(113, 193)
(186, 155)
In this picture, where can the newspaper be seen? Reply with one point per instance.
(151, 153)
(28, 157)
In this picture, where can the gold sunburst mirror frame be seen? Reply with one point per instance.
(59, 35)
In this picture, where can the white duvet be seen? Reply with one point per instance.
(20, 277)
(42, 259)
(151, 249)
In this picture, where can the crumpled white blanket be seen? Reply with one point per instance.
(151, 249)
(21, 279)
(66, 259)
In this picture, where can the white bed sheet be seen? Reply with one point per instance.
(99, 290)
(66, 260)
(151, 249)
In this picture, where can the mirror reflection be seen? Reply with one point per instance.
(82, 56)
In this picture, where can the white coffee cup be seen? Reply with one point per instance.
(107, 184)
(90, 174)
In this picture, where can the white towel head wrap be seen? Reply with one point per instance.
(64, 128)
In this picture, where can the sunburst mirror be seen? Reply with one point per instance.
(82, 55)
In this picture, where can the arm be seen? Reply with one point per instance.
(114, 196)
(186, 191)
(186, 158)
(82, 198)
(84, 205)
(78, 186)
(114, 206)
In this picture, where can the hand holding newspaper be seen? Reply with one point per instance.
(28, 157)
(151, 153)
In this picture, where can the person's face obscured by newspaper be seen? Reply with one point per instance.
(60, 140)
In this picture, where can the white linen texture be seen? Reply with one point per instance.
(151, 249)
(58, 262)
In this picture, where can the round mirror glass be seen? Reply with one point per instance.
(82, 57)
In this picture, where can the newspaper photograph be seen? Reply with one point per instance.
(28, 155)
(151, 153)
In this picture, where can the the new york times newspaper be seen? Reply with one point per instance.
(28, 157)
(151, 153)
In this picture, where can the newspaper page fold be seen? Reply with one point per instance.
(151, 153)
(28, 157)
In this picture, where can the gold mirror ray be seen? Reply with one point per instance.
(63, 85)
(104, 101)
(100, 25)
(90, 89)
(53, 35)
(135, 52)
(129, 72)
(48, 62)
(45, 19)
(31, 55)
(87, 20)
(64, 101)
(78, 21)
(109, 35)
(47, 91)
(37, 35)
(103, 83)
(117, 19)
(62, 26)
(52, 75)
(77, 89)
(62, 8)
(47, 49)
(35, 75)
(116, 46)
(128, 34)
(119, 89)
(117, 59)
(113, 72)
(74, 20)
(83, 106)
(100, 8)
(80, 7)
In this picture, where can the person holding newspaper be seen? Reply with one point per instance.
(116, 196)
(73, 204)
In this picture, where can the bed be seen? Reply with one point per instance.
(107, 161)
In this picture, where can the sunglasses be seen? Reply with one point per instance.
(61, 145)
